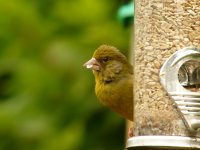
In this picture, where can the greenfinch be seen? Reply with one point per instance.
(114, 79)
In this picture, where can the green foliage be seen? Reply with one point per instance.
(47, 99)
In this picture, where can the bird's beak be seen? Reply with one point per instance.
(93, 64)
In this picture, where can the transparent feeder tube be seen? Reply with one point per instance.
(162, 27)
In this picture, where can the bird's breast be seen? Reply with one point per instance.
(117, 95)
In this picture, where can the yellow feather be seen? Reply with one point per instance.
(114, 81)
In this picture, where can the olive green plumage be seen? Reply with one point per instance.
(114, 79)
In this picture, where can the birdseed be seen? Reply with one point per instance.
(161, 28)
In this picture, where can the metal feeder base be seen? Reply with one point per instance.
(163, 143)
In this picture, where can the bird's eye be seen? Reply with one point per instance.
(105, 59)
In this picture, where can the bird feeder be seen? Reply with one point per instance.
(166, 75)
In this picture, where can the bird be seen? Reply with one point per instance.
(113, 79)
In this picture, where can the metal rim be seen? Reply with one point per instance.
(164, 141)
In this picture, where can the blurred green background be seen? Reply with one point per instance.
(47, 99)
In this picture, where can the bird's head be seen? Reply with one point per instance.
(108, 61)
